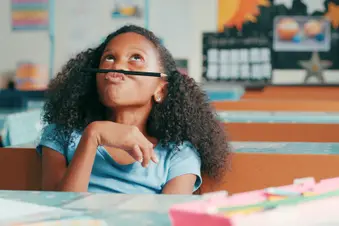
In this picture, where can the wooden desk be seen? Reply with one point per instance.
(283, 132)
(294, 93)
(281, 105)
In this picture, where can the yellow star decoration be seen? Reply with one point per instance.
(333, 14)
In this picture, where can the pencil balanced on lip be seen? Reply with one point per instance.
(137, 73)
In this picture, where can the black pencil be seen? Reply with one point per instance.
(138, 73)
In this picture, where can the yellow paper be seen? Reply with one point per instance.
(275, 198)
(308, 194)
(244, 211)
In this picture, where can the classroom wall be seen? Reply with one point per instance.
(179, 22)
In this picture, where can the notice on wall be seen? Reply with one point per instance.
(29, 14)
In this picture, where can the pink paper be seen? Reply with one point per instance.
(204, 212)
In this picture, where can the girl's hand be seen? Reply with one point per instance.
(126, 137)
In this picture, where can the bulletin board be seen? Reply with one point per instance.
(265, 18)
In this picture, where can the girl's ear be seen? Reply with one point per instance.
(161, 92)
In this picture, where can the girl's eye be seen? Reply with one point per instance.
(109, 58)
(136, 57)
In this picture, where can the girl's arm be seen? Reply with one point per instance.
(75, 178)
(56, 176)
(181, 185)
(184, 176)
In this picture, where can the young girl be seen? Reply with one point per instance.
(111, 132)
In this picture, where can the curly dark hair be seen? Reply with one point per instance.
(184, 115)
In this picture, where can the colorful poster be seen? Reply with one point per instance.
(126, 8)
(300, 33)
(29, 14)
(30, 76)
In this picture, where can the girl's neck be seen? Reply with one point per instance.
(128, 116)
(136, 117)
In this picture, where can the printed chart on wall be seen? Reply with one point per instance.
(237, 59)
(29, 15)
(303, 35)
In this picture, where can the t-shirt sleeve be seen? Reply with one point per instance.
(186, 160)
(51, 138)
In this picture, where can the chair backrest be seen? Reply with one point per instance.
(253, 171)
(21, 128)
(20, 169)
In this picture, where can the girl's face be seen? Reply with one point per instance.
(133, 52)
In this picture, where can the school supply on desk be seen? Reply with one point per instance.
(226, 211)
(137, 73)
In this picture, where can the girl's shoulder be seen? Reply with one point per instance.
(175, 154)
(55, 137)
(184, 148)
(57, 132)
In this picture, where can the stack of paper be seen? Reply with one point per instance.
(305, 202)
(316, 213)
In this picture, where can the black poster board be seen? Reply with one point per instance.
(293, 67)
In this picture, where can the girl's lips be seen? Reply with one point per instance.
(115, 77)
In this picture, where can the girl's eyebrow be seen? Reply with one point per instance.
(107, 50)
(135, 48)
(139, 49)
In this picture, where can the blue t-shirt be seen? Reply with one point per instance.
(109, 176)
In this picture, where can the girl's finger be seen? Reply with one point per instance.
(146, 155)
(137, 153)
(154, 157)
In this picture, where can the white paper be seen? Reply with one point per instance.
(10, 209)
